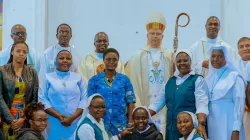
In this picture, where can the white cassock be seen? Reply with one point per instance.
(148, 71)
(47, 60)
(200, 50)
(91, 65)
(31, 57)
(242, 66)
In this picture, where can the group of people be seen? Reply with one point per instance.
(197, 93)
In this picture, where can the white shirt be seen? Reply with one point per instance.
(200, 53)
(248, 72)
(201, 95)
(47, 61)
(86, 132)
(242, 68)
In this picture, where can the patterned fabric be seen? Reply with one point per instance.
(17, 106)
(116, 98)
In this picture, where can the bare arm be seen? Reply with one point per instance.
(131, 106)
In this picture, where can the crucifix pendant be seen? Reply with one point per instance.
(64, 84)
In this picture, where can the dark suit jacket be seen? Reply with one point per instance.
(7, 88)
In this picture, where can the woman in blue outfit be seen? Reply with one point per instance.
(117, 91)
(226, 96)
(64, 94)
(185, 91)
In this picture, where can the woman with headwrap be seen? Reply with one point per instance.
(91, 125)
(64, 95)
(18, 87)
(185, 91)
(187, 123)
(226, 97)
(144, 127)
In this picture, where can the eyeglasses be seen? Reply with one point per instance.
(41, 120)
(110, 59)
(19, 33)
(66, 32)
(100, 41)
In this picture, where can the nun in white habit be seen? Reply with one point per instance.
(187, 129)
(91, 126)
(226, 97)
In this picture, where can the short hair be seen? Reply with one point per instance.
(65, 25)
(33, 107)
(243, 39)
(12, 29)
(110, 50)
(213, 17)
(12, 48)
(138, 109)
(96, 35)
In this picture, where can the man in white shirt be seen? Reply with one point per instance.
(92, 64)
(244, 52)
(201, 47)
(18, 34)
(64, 34)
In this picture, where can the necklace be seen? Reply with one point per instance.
(214, 84)
(156, 64)
(63, 82)
(109, 82)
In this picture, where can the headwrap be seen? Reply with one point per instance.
(193, 116)
(150, 119)
(177, 72)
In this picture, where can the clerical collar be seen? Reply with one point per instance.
(154, 50)
(209, 40)
(99, 55)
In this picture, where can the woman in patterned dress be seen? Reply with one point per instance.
(18, 87)
(117, 91)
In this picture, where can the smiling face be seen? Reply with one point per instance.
(64, 61)
(244, 49)
(185, 124)
(212, 27)
(97, 108)
(218, 59)
(101, 42)
(183, 63)
(140, 117)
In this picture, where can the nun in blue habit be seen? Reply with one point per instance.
(64, 94)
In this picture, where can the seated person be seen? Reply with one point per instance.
(187, 123)
(37, 118)
(91, 126)
(144, 128)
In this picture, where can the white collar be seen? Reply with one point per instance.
(190, 73)
(190, 136)
(148, 126)
(99, 124)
